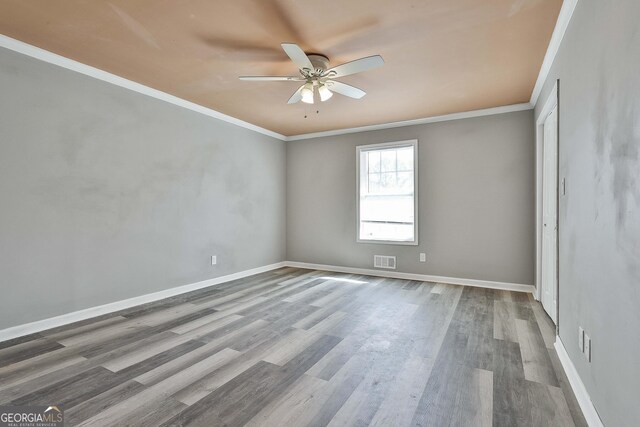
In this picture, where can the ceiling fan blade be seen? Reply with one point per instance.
(297, 55)
(356, 66)
(297, 96)
(272, 78)
(345, 89)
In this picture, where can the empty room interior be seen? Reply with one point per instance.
(338, 213)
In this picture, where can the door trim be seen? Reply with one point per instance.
(551, 102)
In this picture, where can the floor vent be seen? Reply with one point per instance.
(384, 261)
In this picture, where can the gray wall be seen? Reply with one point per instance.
(476, 199)
(108, 194)
(598, 65)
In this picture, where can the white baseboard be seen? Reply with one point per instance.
(87, 313)
(411, 276)
(76, 316)
(580, 391)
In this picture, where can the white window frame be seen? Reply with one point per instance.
(369, 147)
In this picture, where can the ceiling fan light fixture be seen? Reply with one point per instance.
(307, 93)
(324, 93)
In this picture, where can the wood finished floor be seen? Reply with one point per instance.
(297, 347)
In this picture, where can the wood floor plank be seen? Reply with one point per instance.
(448, 380)
(152, 414)
(96, 325)
(323, 288)
(320, 407)
(364, 402)
(333, 361)
(431, 321)
(548, 405)
(175, 366)
(504, 326)
(112, 330)
(72, 390)
(27, 350)
(51, 366)
(508, 385)
(204, 320)
(172, 340)
(163, 389)
(474, 403)
(295, 342)
(535, 357)
(237, 401)
(403, 396)
(228, 371)
(212, 327)
(89, 407)
(293, 400)
(315, 317)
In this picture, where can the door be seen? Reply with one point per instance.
(549, 274)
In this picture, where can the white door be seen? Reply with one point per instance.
(549, 215)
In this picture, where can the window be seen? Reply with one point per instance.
(387, 183)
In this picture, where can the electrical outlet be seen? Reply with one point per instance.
(214, 259)
(581, 338)
(587, 347)
(423, 257)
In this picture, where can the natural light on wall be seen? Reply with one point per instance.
(387, 175)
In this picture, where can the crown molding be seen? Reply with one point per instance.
(564, 17)
(444, 118)
(70, 64)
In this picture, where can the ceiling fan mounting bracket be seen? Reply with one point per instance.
(319, 61)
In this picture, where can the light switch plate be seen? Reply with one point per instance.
(423, 257)
(587, 347)
(581, 338)
(214, 259)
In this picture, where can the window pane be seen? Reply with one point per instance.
(388, 182)
(405, 182)
(374, 161)
(374, 183)
(388, 160)
(387, 232)
(405, 159)
(398, 209)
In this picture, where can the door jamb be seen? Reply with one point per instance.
(551, 102)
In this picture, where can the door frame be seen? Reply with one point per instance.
(552, 101)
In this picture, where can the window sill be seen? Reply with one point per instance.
(388, 242)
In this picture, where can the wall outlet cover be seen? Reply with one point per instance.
(214, 259)
(423, 257)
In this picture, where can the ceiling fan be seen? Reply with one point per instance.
(315, 73)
